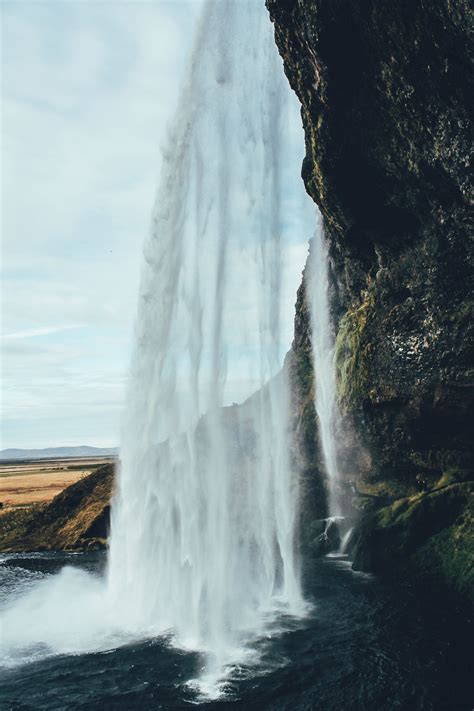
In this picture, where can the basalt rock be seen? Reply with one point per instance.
(385, 90)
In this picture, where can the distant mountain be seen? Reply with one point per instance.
(58, 452)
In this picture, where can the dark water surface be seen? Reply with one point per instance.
(365, 646)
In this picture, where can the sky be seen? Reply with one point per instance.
(88, 90)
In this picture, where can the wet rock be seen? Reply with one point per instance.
(323, 536)
(431, 534)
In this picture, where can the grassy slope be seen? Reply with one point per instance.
(76, 518)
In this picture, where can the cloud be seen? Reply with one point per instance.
(46, 331)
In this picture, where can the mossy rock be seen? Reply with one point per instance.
(431, 534)
(352, 355)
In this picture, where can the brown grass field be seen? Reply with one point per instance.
(25, 483)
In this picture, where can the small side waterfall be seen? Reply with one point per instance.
(322, 340)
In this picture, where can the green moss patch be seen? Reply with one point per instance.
(352, 354)
(431, 534)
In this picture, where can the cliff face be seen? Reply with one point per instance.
(385, 91)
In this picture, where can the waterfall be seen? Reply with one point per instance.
(203, 523)
(322, 340)
(203, 547)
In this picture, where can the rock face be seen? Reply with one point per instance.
(385, 94)
(77, 518)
